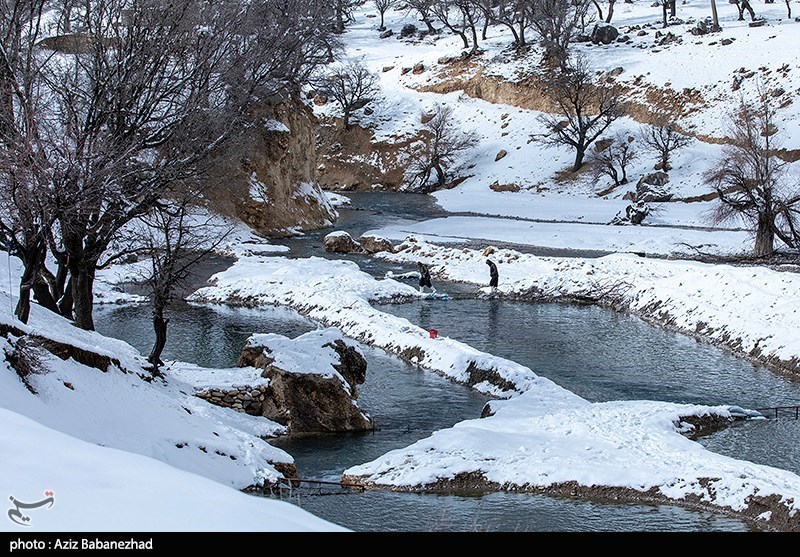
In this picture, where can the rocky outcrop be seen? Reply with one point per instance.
(318, 395)
(341, 242)
(375, 244)
(353, 160)
(652, 188)
(267, 176)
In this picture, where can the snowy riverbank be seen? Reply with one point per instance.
(542, 437)
(750, 310)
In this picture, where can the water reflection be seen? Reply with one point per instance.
(207, 336)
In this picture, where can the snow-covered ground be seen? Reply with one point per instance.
(531, 443)
(110, 441)
(96, 488)
(750, 310)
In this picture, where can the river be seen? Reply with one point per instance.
(596, 353)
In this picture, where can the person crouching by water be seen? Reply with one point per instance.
(424, 277)
(494, 277)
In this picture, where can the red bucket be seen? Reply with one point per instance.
(434, 333)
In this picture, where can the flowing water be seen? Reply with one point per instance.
(598, 354)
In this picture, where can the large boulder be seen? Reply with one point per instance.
(652, 188)
(604, 34)
(341, 242)
(635, 213)
(375, 244)
(313, 381)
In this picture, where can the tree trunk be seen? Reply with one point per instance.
(580, 152)
(339, 28)
(43, 295)
(610, 11)
(474, 40)
(59, 287)
(513, 29)
(160, 329)
(764, 236)
(714, 17)
(664, 11)
(23, 309)
(32, 265)
(431, 28)
(614, 175)
(82, 296)
(599, 10)
(382, 27)
(65, 302)
(440, 175)
(672, 9)
(788, 9)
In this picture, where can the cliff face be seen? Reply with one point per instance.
(267, 176)
(353, 160)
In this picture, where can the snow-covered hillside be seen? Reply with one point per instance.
(700, 79)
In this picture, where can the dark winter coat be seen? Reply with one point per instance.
(493, 275)
(424, 275)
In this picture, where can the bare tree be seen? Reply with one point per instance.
(610, 15)
(744, 6)
(751, 181)
(351, 86)
(443, 142)
(461, 17)
(150, 94)
(173, 237)
(556, 22)
(26, 209)
(614, 158)
(382, 7)
(663, 139)
(583, 109)
(514, 14)
(424, 9)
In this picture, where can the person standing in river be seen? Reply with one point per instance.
(424, 277)
(494, 277)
